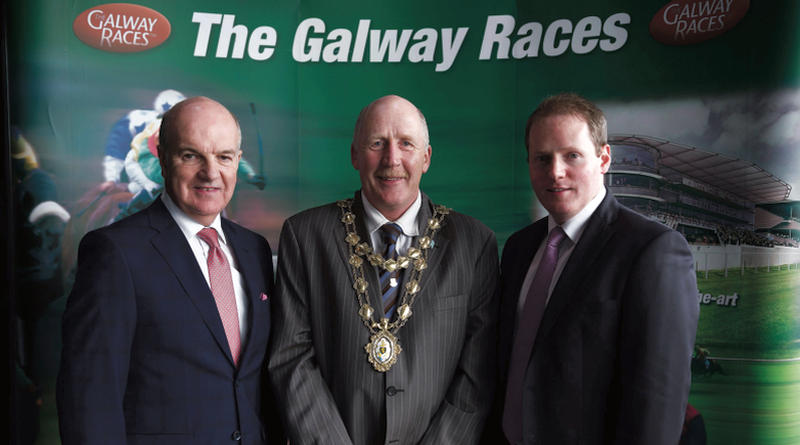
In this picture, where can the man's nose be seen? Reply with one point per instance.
(210, 170)
(557, 168)
(391, 153)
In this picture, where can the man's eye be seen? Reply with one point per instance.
(376, 145)
(574, 155)
(188, 156)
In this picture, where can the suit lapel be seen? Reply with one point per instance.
(517, 269)
(439, 248)
(172, 245)
(249, 268)
(581, 263)
(370, 272)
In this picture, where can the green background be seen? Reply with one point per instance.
(66, 95)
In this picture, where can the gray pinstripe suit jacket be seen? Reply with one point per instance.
(441, 387)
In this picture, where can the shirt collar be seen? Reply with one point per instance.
(575, 226)
(407, 221)
(188, 226)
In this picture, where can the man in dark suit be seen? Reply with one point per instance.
(166, 328)
(598, 303)
(385, 308)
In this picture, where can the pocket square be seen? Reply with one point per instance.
(264, 296)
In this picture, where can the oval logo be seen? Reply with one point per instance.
(121, 27)
(684, 22)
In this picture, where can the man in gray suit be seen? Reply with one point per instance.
(385, 323)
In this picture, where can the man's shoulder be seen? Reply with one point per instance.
(316, 217)
(462, 222)
(527, 233)
(130, 226)
(636, 225)
(241, 231)
(316, 212)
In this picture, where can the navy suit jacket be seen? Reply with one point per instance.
(611, 358)
(145, 359)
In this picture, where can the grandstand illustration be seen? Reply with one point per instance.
(734, 214)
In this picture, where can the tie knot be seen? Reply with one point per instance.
(390, 232)
(209, 235)
(556, 236)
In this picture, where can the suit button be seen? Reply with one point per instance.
(237, 436)
(391, 391)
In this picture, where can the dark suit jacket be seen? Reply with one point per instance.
(145, 359)
(440, 389)
(610, 363)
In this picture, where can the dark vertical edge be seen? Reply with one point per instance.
(7, 237)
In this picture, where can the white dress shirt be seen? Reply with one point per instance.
(189, 228)
(574, 228)
(407, 222)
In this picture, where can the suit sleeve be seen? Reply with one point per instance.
(461, 416)
(309, 411)
(658, 326)
(98, 328)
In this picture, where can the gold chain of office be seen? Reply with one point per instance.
(383, 347)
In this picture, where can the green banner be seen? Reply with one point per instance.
(702, 99)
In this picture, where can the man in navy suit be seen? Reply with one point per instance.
(166, 329)
(598, 322)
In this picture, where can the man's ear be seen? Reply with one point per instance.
(354, 156)
(605, 158)
(427, 163)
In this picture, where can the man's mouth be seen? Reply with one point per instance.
(391, 177)
(206, 189)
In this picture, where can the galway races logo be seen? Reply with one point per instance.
(683, 22)
(121, 27)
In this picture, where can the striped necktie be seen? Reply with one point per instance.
(390, 281)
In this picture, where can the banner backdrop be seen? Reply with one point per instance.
(701, 97)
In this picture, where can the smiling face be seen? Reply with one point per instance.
(565, 168)
(201, 156)
(390, 150)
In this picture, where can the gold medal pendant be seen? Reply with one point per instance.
(382, 349)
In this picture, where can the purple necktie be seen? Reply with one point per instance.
(527, 325)
(219, 275)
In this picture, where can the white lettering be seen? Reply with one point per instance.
(262, 43)
(378, 46)
(618, 34)
(498, 28)
(89, 18)
(549, 45)
(361, 40)
(302, 42)
(206, 21)
(423, 50)
(528, 45)
(450, 47)
(586, 28)
(105, 36)
(226, 31)
(339, 48)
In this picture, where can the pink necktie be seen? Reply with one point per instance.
(527, 325)
(219, 275)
